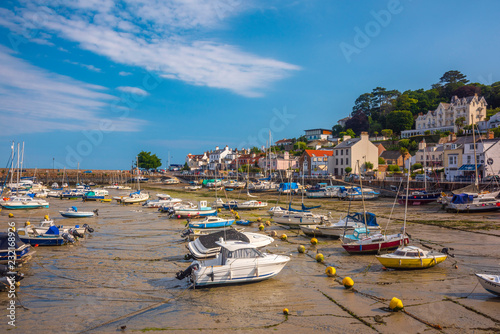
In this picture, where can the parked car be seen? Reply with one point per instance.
(492, 178)
(422, 177)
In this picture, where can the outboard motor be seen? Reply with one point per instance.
(447, 252)
(88, 228)
(75, 233)
(183, 274)
(187, 232)
(68, 237)
(96, 212)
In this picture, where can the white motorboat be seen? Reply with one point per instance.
(135, 197)
(73, 212)
(299, 218)
(218, 203)
(201, 210)
(252, 204)
(23, 202)
(44, 225)
(193, 187)
(173, 180)
(263, 186)
(162, 201)
(277, 209)
(490, 283)
(238, 262)
(357, 194)
(205, 246)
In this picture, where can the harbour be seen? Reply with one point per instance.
(124, 275)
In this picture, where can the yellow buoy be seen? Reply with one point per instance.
(319, 257)
(46, 217)
(314, 241)
(268, 223)
(11, 215)
(283, 237)
(261, 227)
(218, 210)
(301, 249)
(259, 219)
(396, 304)
(28, 223)
(330, 271)
(348, 282)
(285, 311)
(274, 234)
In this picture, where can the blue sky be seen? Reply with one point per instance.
(97, 81)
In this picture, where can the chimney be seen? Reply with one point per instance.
(364, 135)
(452, 137)
(346, 137)
(216, 148)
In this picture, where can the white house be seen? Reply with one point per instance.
(215, 157)
(472, 108)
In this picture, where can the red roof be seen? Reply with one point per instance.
(319, 153)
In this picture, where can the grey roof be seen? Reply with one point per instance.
(393, 155)
(348, 143)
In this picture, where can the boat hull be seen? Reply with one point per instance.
(488, 283)
(194, 213)
(43, 240)
(212, 225)
(25, 207)
(375, 247)
(415, 263)
(76, 214)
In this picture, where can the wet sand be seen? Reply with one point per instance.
(123, 275)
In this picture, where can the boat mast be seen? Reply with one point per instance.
(362, 195)
(425, 164)
(476, 181)
(17, 186)
(138, 182)
(406, 206)
(22, 160)
(12, 164)
(78, 174)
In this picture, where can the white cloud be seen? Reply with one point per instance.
(154, 35)
(35, 100)
(124, 74)
(89, 67)
(133, 90)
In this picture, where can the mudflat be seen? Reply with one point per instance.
(124, 275)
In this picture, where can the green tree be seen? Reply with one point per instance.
(399, 120)
(453, 77)
(496, 132)
(336, 129)
(368, 165)
(460, 122)
(393, 168)
(387, 133)
(381, 161)
(148, 160)
(404, 143)
(300, 145)
(348, 170)
(186, 167)
(416, 166)
(255, 150)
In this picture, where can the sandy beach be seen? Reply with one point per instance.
(124, 275)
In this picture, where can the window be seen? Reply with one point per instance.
(341, 161)
(346, 161)
(468, 159)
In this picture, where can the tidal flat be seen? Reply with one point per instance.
(123, 274)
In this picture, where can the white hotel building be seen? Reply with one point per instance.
(472, 108)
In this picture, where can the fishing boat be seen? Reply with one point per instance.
(24, 202)
(411, 257)
(238, 262)
(14, 250)
(212, 222)
(490, 283)
(73, 212)
(52, 237)
(201, 210)
(469, 203)
(206, 247)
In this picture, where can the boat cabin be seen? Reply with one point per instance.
(237, 250)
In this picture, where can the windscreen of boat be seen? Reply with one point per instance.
(244, 253)
(400, 253)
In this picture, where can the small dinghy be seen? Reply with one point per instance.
(212, 222)
(206, 246)
(17, 251)
(74, 213)
(490, 283)
(53, 237)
